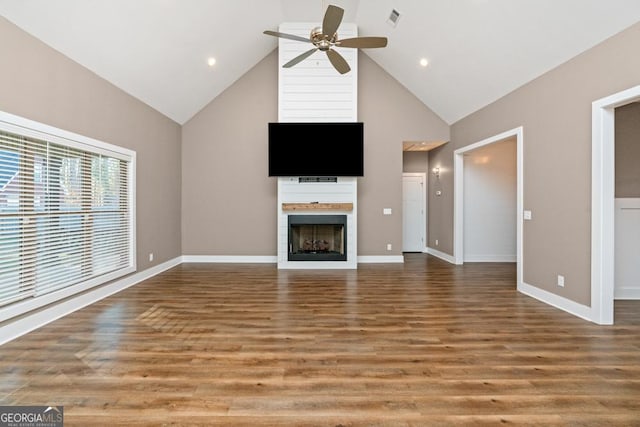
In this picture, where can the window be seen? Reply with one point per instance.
(66, 214)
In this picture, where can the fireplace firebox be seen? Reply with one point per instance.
(317, 237)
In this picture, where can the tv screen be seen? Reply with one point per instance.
(316, 149)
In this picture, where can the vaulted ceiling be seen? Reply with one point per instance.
(478, 50)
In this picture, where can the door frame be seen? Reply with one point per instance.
(603, 202)
(425, 185)
(458, 202)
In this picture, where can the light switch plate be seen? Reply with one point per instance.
(527, 215)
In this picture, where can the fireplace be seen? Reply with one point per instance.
(317, 237)
(329, 207)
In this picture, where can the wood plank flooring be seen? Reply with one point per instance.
(423, 343)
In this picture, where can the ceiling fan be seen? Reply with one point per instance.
(325, 38)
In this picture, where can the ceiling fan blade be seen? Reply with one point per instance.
(299, 58)
(338, 62)
(286, 36)
(363, 42)
(332, 20)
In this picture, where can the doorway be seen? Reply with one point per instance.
(414, 208)
(458, 205)
(603, 203)
(490, 184)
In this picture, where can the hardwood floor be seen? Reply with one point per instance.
(422, 343)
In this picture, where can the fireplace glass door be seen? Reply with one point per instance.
(317, 238)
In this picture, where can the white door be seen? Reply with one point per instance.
(414, 212)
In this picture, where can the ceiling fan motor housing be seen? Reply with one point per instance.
(322, 41)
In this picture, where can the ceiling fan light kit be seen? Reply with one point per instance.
(325, 38)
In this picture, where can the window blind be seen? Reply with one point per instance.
(65, 215)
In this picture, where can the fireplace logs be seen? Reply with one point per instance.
(315, 245)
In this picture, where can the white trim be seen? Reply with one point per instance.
(242, 259)
(458, 207)
(381, 259)
(602, 202)
(458, 204)
(557, 301)
(30, 322)
(133, 218)
(627, 293)
(490, 258)
(441, 255)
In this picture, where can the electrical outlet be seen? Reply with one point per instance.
(436, 242)
(151, 256)
(560, 281)
(388, 246)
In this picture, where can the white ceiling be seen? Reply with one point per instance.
(478, 50)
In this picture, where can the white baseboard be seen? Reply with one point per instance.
(240, 259)
(557, 301)
(627, 293)
(490, 258)
(441, 255)
(14, 329)
(375, 259)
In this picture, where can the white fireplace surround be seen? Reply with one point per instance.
(344, 191)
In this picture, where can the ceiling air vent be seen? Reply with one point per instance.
(394, 16)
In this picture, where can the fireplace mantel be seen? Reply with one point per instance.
(296, 207)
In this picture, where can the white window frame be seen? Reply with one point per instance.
(32, 129)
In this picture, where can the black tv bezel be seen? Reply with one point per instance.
(355, 167)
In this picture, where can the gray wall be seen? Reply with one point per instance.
(229, 202)
(555, 112)
(391, 115)
(39, 83)
(440, 208)
(628, 150)
(415, 161)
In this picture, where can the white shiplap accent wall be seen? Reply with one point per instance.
(312, 90)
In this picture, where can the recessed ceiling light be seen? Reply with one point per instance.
(424, 62)
(211, 61)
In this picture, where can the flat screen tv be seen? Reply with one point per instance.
(316, 149)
